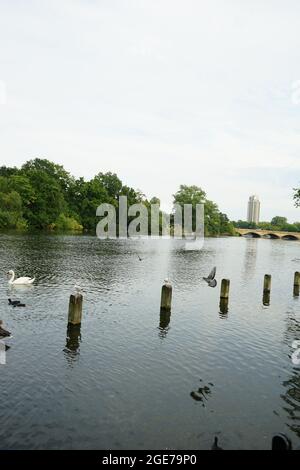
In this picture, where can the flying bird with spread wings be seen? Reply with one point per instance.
(210, 279)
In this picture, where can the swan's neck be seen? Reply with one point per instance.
(12, 278)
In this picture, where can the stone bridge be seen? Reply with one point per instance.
(256, 233)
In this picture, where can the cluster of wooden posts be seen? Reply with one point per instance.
(166, 293)
(166, 296)
(76, 300)
(267, 287)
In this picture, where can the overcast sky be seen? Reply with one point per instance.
(162, 92)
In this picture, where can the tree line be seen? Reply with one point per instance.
(42, 195)
(278, 223)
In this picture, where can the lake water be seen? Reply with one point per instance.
(125, 381)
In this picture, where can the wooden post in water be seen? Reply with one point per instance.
(224, 296)
(225, 288)
(75, 309)
(267, 289)
(166, 297)
(267, 283)
(296, 284)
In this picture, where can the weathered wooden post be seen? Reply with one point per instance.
(296, 284)
(75, 309)
(166, 297)
(225, 289)
(267, 283)
(224, 296)
(267, 289)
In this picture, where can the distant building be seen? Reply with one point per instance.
(253, 209)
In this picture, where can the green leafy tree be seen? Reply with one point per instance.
(111, 183)
(8, 171)
(48, 200)
(215, 223)
(296, 197)
(11, 210)
(65, 223)
(244, 224)
(226, 227)
(279, 221)
(93, 193)
(189, 195)
(22, 185)
(53, 170)
(192, 195)
(211, 218)
(297, 225)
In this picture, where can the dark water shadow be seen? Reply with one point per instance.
(164, 323)
(73, 341)
(223, 306)
(266, 299)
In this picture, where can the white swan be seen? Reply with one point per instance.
(20, 280)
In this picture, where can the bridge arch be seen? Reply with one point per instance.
(274, 236)
(252, 235)
(289, 237)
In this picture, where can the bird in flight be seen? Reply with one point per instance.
(210, 279)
